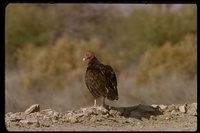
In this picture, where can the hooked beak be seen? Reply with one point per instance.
(84, 59)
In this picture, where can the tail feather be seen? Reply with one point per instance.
(112, 95)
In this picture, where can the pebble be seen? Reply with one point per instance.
(49, 113)
(163, 107)
(73, 120)
(101, 110)
(194, 105)
(182, 108)
(45, 111)
(153, 117)
(192, 110)
(167, 118)
(45, 125)
(45, 117)
(87, 112)
(36, 124)
(155, 105)
(93, 119)
(113, 112)
(55, 115)
(174, 112)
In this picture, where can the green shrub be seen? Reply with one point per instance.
(55, 66)
(180, 59)
(144, 28)
(25, 23)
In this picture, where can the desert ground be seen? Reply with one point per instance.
(139, 117)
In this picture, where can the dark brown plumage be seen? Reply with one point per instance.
(100, 79)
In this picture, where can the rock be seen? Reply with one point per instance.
(113, 112)
(54, 121)
(167, 118)
(36, 124)
(174, 112)
(45, 111)
(114, 120)
(33, 108)
(55, 115)
(38, 114)
(99, 116)
(50, 113)
(64, 119)
(60, 115)
(93, 119)
(29, 121)
(155, 106)
(170, 108)
(11, 120)
(73, 120)
(79, 115)
(45, 125)
(70, 113)
(194, 105)
(94, 110)
(182, 108)
(101, 110)
(153, 117)
(14, 118)
(8, 114)
(126, 121)
(163, 107)
(46, 117)
(87, 111)
(18, 118)
(192, 110)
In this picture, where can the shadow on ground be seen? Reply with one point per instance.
(137, 111)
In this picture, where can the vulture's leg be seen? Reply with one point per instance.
(95, 102)
(104, 101)
(104, 104)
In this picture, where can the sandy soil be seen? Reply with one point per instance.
(136, 118)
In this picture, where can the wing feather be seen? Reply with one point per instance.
(95, 82)
(101, 80)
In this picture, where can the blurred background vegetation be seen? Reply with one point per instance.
(151, 47)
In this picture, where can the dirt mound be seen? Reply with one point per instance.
(136, 118)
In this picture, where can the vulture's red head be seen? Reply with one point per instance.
(88, 56)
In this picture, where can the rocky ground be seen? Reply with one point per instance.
(136, 118)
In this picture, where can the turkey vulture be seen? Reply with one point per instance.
(100, 79)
